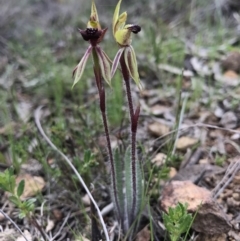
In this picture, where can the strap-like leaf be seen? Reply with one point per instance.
(139, 199)
(104, 65)
(120, 199)
(116, 61)
(128, 185)
(78, 71)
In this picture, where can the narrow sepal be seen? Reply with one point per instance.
(78, 71)
(94, 20)
(116, 61)
(131, 62)
(104, 65)
(116, 16)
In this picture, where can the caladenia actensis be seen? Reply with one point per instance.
(126, 172)
(133, 173)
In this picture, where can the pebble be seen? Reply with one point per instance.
(236, 196)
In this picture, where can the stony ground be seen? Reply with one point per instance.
(189, 128)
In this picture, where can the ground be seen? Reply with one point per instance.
(189, 65)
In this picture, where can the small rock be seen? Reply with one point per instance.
(235, 136)
(159, 109)
(144, 235)
(159, 159)
(234, 235)
(232, 62)
(172, 172)
(191, 173)
(103, 143)
(26, 234)
(231, 75)
(86, 200)
(50, 225)
(210, 218)
(32, 167)
(215, 237)
(33, 185)
(185, 142)
(2, 217)
(158, 129)
(218, 112)
(236, 196)
(229, 120)
(236, 179)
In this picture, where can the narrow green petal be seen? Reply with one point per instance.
(77, 73)
(121, 21)
(131, 62)
(115, 16)
(104, 65)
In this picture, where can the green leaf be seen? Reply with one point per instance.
(177, 221)
(31, 201)
(22, 215)
(128, 183)
(120, 198)
(20, 188)
(87, 156)
(7, 180)
(78, 71)
(15, 200)
(139, 199)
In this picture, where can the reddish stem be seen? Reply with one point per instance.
(102, 105)
(126, 77)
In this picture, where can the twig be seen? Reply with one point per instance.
(60, 230)
(37, 115)
(232, 169)
(7, 217)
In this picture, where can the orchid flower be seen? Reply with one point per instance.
(94, 34)
(122, 34)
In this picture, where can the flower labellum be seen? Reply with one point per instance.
(122, 34)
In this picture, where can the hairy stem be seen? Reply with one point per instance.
(102, 105)
(126, 77)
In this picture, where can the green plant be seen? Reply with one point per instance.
(219, 160)
(129, 204)
(177, 221)
(8, 184)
